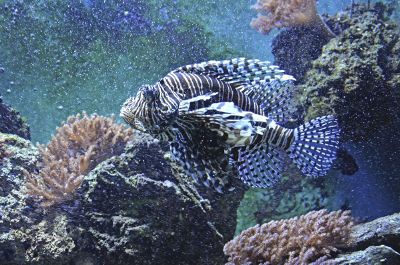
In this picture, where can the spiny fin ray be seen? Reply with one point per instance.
(315, 146)
(260, 167)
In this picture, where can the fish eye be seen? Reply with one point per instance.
(149, 93)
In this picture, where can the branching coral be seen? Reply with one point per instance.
(299, 240)
(78, 146)
(287, 13)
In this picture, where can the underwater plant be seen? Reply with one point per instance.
(298, 240)
(280, 14)
(78, 146)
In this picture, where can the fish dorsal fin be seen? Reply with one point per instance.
(239, 72)
(263, 82)
(260, 166)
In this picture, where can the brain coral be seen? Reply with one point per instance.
(357, 76)
(299, 240)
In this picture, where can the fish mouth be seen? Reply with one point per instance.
(139, 126)
(127, 116)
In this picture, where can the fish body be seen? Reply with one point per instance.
(224, 115)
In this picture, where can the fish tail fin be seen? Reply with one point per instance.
(315, 145)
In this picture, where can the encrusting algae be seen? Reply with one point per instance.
(78, 146)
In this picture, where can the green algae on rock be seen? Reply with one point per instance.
(357, 76)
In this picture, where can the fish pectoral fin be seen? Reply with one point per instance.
(260, 166)
(194, 159)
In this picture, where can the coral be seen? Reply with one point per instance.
(357, 76)
(283, 14)
(78, 146)
(11, 122)
(288, 13)
(299, 240)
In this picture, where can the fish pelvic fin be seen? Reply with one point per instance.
(315, 146)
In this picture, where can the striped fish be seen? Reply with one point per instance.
(220, 116)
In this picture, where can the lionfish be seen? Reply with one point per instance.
(223, 115)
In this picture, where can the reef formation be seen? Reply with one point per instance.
(355, 75)
(300, 240)
(78, 146)
(132, 208)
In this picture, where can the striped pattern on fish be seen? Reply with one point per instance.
(220, 115)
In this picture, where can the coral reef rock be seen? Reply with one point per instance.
(295, 48)
(131, 209)
(357, 75)
(384, 230)
(11, 122)
(375, 242)
(377, 255)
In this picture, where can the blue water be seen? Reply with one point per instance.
(67, 64)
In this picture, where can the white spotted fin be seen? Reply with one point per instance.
(315, 146)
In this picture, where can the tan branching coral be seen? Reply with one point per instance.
(77, 147)
(299, 240)
(287, 13)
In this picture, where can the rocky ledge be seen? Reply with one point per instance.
(131, 209)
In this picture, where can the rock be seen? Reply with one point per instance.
(357, 74)
(295, 48)
(15, 215)
(375, 242)
(131, 209)
(136, 212)
(384, 230)
(375, 255)
(11, 122)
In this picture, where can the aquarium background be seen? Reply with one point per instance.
(59, 58)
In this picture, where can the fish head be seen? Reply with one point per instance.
(146, 112)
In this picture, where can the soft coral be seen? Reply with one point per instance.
(287, 13)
